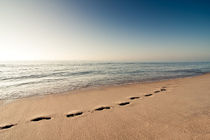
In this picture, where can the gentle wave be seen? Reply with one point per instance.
(188, 71)
(23, 79)
(48, 75)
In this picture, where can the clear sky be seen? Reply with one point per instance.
(118, 30)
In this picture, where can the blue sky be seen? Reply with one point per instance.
(150, 30)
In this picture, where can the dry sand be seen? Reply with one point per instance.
(181, 112)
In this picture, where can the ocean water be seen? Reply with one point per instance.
(23, 79)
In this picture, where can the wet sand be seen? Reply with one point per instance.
(171, 109)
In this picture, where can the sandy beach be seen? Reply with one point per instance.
(170, 109)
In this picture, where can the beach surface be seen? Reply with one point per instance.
(164, 110)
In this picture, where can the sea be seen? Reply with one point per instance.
(24, 79)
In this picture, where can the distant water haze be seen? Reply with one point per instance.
(23, 79)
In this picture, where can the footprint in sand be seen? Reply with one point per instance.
(7, 126)
(40, 118)
(162, 89)
(74, 114)
(134, 98)
(157, 91)
(147, 95)
(124, 103)
(102, 108)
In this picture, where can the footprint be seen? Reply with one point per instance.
(147, 95)
(133, 98)
(7, 126)
(102, 108)
(162, 89)
(74, 114)
(123, 103)
(40, 118)
(157, 91)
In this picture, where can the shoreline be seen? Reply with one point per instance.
(6, 101)
(169, 109)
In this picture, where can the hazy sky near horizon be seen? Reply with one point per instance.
(148, 30)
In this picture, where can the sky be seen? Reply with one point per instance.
(105, 30)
